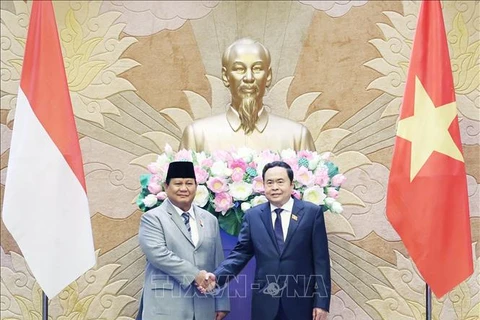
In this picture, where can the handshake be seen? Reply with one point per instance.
(205, 281)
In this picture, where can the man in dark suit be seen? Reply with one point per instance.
(289, 241)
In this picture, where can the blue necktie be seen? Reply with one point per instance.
(186, 220)
(279, 230)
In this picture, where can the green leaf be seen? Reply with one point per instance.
(239, 215)
(144, 180)
(229, 223)
(140, 203)
(332, 169)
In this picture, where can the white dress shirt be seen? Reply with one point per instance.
(285, 215)
(193, 222)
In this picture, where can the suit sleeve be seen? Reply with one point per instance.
(222, 300)
(321, 259)
(240, 255)
(152, 242)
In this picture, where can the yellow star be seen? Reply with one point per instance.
(427, 130)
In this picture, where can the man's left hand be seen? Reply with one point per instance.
(219, 315)
(319, 314)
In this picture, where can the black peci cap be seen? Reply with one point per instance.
(180, 169)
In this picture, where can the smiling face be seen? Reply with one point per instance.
(278, 187)
(181, 192)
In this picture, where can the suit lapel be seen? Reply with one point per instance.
(297, 211)
(199, 218)
(266, 216)
(179, 222)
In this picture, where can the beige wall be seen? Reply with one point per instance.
(150, 68)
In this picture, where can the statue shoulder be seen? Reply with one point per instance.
(302, 137)
(207, 121)
(285, 121)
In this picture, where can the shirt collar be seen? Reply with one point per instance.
(190, 211)
(234, 120)
(288, 206)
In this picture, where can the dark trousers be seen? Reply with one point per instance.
(281, 313)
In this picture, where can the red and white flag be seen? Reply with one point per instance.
(427, 200)
(45, 205)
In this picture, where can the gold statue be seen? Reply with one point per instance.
(247, 72)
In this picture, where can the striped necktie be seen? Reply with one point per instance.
(186, 220)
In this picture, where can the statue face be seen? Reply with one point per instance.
(247, 73)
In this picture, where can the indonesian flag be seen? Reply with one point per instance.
(45, 204)
(427, 201)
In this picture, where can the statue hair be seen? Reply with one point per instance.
(226, 53)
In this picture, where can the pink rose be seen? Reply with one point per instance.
(237, 174)
(332, 193)
(207, 163)
(183, 154)
(297, 194)
(217, 184)
(223, 202)
(154, 185)
(305, 154)
(292, 162)
(158, 170)
(238, 163)
(304, 176)
(338, 179)
(258, 186)
(162, 196)
(222, 155)
(321, 177)
(153, 167)
(201, 175)
(268, 156)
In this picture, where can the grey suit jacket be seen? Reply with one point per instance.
(173, 262)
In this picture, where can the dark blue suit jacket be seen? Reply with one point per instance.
(299, 276)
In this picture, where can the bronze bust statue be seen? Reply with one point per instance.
(246, 71)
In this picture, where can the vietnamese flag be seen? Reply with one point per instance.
(45, 204)
(427, 201)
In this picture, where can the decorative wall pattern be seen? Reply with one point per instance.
(140, 71)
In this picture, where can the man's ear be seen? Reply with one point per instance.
(226, 83)
(269, 77)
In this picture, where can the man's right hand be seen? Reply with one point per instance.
(201, 279)
(212, 282)
(205, 281)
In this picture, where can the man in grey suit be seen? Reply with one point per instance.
(180, 241)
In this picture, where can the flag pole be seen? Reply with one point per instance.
(44, 306)
(428, 306)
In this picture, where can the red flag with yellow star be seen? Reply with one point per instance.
(427, 201)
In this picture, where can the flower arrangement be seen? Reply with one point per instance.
(230, 182)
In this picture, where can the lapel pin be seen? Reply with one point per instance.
(294, 217)
(201, 223)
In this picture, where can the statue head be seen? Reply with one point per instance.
(247, 73)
